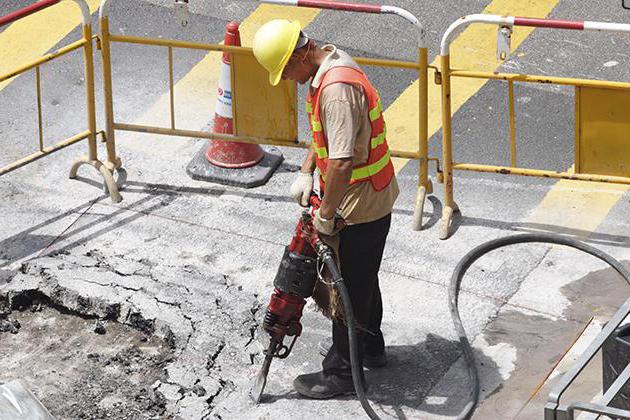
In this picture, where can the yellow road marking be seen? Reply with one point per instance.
(577, 205)
(198, 86)
(475, 49)
(31, 37)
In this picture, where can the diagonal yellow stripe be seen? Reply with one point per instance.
(474, 48)
(577, 205)
(31, 37)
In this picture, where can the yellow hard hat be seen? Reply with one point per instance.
(274, 43)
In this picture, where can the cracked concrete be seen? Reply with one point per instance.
(118, 289)
(200, 288)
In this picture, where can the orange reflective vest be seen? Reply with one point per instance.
(378, 170)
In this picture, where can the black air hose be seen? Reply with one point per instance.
(357, 375)
(477, 253)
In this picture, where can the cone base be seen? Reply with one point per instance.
(200, 169)
(233, 155)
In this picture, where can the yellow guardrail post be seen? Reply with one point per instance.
(113, 161)
(512, 124)
(449, 202)
(424, 183)
(92, 158)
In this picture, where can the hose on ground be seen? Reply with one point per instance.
(474, 255)
(357, 374)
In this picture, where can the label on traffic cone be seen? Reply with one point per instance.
(223, 109)
(223, 153)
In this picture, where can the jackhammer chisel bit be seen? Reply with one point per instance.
(256, 392)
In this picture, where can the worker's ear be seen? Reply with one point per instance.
(302, 53)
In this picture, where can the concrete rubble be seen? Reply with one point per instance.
(109, 289)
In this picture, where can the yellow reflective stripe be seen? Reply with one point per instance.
(309, 107)
(378, 140)
(317, 126)
(375, 113)
(322, 153)
(373, 169)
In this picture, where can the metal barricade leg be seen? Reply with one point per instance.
(424, 183)
(92, 158)
(450, 207)
(113, 162)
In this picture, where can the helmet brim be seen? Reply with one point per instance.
(276, 75)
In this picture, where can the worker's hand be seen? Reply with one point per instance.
(302, 188)
(328, 227)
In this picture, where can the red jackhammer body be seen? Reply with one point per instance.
(295, 281)
(293, 284)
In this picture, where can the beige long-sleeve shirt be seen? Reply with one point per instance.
(345, 119)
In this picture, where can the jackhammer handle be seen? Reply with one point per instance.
(314, 201)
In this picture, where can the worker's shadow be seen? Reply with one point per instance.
(429, 377)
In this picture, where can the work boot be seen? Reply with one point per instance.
(320, 386)
(369, 361)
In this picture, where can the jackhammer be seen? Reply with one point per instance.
(300, 269)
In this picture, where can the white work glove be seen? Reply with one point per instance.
(302, 188)
(328, 227)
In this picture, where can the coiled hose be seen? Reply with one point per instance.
(474, 255)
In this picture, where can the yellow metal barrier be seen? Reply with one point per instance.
(602, 146)
(246, 55)
(90, 134)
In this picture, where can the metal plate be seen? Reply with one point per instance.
(261, 110)
(18, 403)
(602, 131)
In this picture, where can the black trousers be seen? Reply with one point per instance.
(360, 254)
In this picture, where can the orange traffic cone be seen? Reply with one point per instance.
(229, 163)
(222, 153)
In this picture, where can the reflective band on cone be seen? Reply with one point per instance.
(222, 153)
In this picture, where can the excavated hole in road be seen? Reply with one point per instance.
(80, 367)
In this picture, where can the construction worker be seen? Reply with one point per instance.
(357, 182)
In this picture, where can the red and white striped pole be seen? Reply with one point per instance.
(41, 5)
(531, 22)
(356, 7)
(572, 24)
(25, 11)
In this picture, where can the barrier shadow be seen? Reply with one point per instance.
(596, 238)
(29, 243)
(217, 190)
